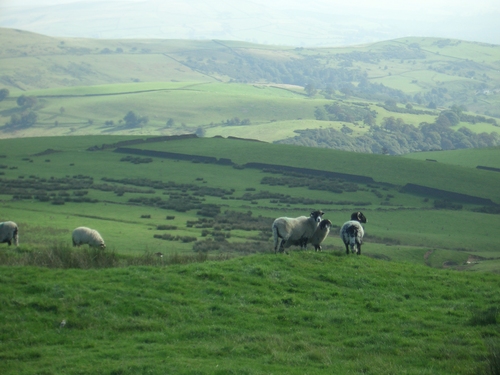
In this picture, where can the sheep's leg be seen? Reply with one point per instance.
(9, 242)
(359, 249)
(347, 249)
(282, 245)
(303, 243)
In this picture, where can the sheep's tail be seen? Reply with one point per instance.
(353, 243)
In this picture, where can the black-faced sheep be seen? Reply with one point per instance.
(289, 231)
(91, 237)
(317, 238)
(352, 233)
(320, 234)
(9, 232)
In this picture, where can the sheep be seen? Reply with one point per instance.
(91, 237)
(317, 238)
(9, 232)
(352, 233)
(320, 234)
(294, 231)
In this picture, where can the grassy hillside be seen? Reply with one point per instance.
(468, 158)
(313, 313)
(146, 204)
(247, 90)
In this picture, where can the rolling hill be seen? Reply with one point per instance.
(326, 97)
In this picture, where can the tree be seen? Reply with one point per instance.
(310, 89)
(133, 120)
(4, 93)
(21, 121)
(320, 114)
(170, 122)
(26, 101)
(447, 118)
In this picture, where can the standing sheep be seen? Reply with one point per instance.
(320, 234)
(9, 232)
(294, 231)
(91, 237)
(352, 233)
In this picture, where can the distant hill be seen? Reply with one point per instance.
(370, 98)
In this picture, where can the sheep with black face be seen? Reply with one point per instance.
(91, 237)
(294, 231)
(352, 233)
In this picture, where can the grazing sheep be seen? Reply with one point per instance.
(91, 237)
(9, 232)
(294, 231)
(352, 233)
(320, 234)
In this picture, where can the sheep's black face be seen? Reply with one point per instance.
(325, 223)
(317, 215)
(358, 216)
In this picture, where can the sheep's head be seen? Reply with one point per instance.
(316, 215)
(325, 223)
(358, 216)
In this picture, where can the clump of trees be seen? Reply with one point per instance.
(133, 120)
(396, 137)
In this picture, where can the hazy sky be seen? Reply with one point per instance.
(290, 22)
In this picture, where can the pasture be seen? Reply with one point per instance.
(144, 204)
(305, 313)
(87, 86)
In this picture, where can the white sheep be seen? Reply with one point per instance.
(294, 231)
(320, 234)
(9, 232)
(317, 238)
(352, 233)
(91, 237)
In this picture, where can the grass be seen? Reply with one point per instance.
(153, 78)
(395, 170)
(468, 158)
(401, 226)
(318, 313)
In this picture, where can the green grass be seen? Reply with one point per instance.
(488, 157)
(401, 226)
(153, 78)
(314, 313)
(381, 168)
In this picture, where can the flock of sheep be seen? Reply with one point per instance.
(287, 232)
(313, 229)
(9, 233)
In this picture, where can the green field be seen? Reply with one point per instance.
(43, 195)
(189, 282)
(86, 86)
(303, 313)
(420, 300)
(467, 158)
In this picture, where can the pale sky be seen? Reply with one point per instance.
(291, 22)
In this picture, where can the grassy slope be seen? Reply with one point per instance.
(381, 168)
(403, 230)
(469, 157)
(313, 313)
(43, 66)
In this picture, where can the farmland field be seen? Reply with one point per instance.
(51, 185)
(169, 148)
